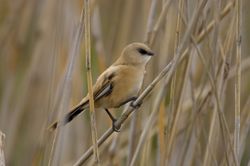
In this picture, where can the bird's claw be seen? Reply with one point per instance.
(115, 127)
(136, 106)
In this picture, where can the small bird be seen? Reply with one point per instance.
(118, 84)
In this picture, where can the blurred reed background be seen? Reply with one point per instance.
(188, 119)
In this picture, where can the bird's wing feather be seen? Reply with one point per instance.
(105, 90)
(104, 86)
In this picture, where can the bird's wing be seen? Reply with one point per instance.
(104, 85)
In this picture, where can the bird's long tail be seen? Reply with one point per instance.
(80, 108)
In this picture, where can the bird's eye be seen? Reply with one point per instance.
(142, 51)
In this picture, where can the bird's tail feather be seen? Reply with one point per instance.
(70, 115)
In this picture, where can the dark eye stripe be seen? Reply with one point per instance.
(142, 51)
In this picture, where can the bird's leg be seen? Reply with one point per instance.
(115, 128)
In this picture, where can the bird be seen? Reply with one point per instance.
(118, 85)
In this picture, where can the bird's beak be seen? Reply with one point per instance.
(150, 53)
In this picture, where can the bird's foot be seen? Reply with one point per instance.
(136, 106)
(115, 127)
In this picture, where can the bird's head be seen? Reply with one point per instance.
(136, 53)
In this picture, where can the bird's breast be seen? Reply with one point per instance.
(127, 85)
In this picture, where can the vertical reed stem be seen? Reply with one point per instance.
(89, 79)
(238, 78)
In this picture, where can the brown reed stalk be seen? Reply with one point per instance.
(238, 78)
(89, 79)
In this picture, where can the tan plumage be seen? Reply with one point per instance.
(118, 84)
